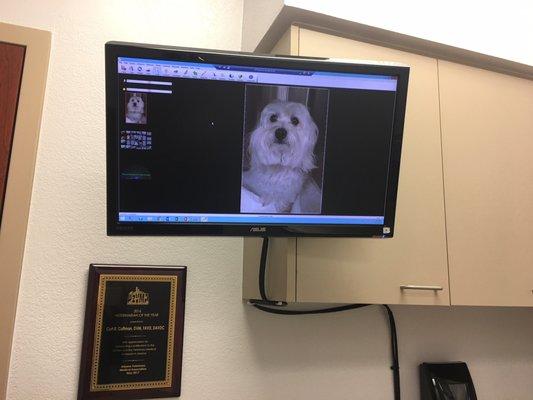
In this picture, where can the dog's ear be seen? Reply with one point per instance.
(309, 161)
(315, 129)
(254, 145)
(309, 120)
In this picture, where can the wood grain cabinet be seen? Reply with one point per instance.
(464, 220)
(371, 270)
(487, 131)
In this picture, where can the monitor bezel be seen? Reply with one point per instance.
(113, 50)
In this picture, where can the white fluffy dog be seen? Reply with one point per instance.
(281, 157)
(135, 110)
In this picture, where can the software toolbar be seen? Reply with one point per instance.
(246, 74)
(182, 70)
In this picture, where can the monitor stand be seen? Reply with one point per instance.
(280, 274)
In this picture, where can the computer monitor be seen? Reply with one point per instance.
(203, 142)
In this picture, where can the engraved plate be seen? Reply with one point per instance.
(133, 333)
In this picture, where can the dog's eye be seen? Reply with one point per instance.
(273, 118)
(295, 121)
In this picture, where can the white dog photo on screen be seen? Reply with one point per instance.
(135, 109)
(281, 151)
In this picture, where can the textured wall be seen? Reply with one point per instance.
(231, 351)
(258, 15)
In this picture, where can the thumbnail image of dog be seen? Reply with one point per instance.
(281, 151)
(135, 109)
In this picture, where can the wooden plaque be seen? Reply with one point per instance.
(133, 333)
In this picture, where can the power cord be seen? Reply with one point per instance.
(262, 269)
(394, 353)
(267, 305)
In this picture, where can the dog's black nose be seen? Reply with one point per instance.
(281, 133)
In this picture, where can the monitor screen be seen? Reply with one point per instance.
(213, 143)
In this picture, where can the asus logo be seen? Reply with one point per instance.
(258, 229)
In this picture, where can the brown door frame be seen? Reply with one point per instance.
(11, 66)
(20, 178)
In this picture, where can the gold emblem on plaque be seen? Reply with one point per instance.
(138, 298)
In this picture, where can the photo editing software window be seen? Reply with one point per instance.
(204, 143)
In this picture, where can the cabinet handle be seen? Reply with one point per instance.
(420, 287)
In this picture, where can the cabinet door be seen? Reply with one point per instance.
(487, 131)
(373, 270)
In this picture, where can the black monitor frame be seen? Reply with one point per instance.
(113, 50)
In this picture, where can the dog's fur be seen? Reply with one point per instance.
(135, 110)
(279, 169)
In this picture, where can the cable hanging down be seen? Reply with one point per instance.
(269, 306)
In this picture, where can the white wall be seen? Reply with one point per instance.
(258, 15)
(230, 351)
(501, 29)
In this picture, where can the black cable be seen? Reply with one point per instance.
(282, 311)
(394, 350)
(260, 305)
(262, 269)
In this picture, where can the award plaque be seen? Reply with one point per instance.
(133, 334)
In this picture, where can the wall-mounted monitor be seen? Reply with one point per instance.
(202, 142)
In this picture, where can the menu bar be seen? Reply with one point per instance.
(276, 76)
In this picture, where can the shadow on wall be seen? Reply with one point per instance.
(351, 337)
(356, 345)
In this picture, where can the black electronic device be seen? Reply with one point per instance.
(203, 142)
(446, 381)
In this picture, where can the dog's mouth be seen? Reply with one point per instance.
(281, 151)
(280, 145)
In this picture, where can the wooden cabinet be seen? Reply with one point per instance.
(487, 130)
(465, 196)
(372, 270)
